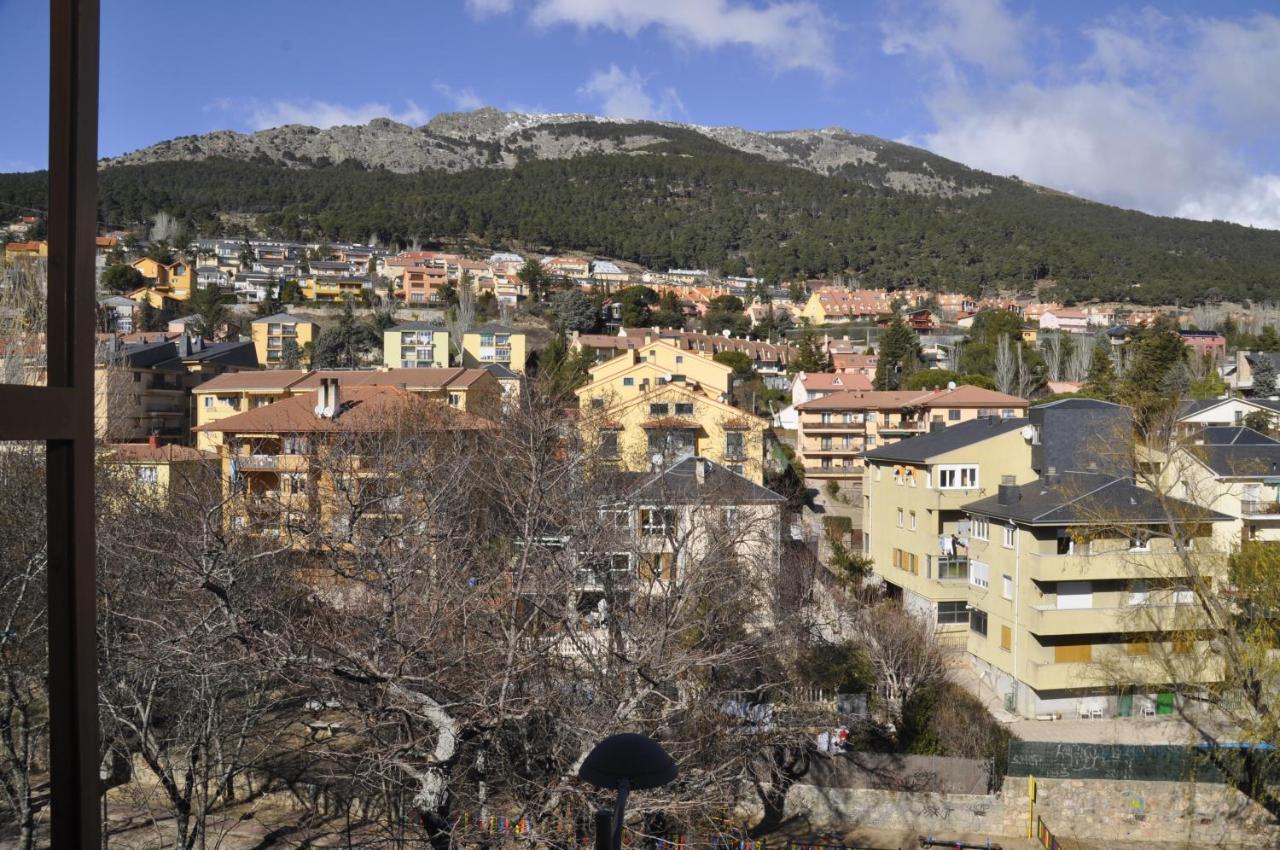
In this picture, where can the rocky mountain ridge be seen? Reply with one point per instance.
(489, 138)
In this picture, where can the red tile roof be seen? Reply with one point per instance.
(362, 409)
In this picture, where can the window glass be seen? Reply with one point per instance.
(952, 613)
(978, 622)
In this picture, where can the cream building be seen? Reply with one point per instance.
(415, 345)
(1232, 470)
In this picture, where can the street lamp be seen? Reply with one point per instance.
(624, 763)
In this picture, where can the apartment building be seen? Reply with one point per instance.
(415, 345)
(833, 431)
(171, 280)
(494, 344)
(673, 419)
(159, 467)
(635, 371)
(1202, 413)
(768, 358)
(308, 462)
(914, 525)
(272, 336)
(1029, 543)
(1232, 470)
(474, 391)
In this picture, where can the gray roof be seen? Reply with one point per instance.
(234, 353)
(678, 484)
(924, 446)
(495, 329)
(418, 326)
(283, 318)
(1233, 435)
(501, 372)
(1080, 404)
(1237, 452)
(1088, 498)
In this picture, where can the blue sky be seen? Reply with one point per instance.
(1173, 108)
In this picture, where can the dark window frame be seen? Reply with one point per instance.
(61, 414)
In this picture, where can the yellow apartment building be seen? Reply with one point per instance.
(334, 289)
(635, 371)
(415, 345)
(1079, 603)
(174, 280)
(1233, 470)
(495, 344)
(1029, 545)
(158, 468)
(834, 431)
(914, 526)
(306, 464)
(270, 334)
(673, 419)
(470, 390)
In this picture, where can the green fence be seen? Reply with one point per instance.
(1159, 763)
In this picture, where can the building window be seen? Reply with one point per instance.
(871, 441)
(958, 477)
(628, 382)
(1007, 413)
(679, 359)
(1006, 587)
(208, 402)
(979, 575)
(657, 521)
(148, 475)
(826, 444)
(1008, 536)
(912, 525)
(294, 444)
(684, 408)
(734, 447)
(848, 419)
(658, 566)
(826, 419)
(978, 622)
(1006, 638)
(953, 415)
(617, 519)
(952, 613)
(659, 409)
(735, 468)
(981, 528)
(597, 404)
(609, 443)
(899, 517)
(1140, 542)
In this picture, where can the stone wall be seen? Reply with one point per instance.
(1096, 810)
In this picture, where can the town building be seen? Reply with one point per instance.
(494, 344)
(160, 468)
(469, 390)
(1206, 343)
(1232, 470)
(274, 336)
(415, 345)
(834, 431)
(1065, 319)
(635, 371)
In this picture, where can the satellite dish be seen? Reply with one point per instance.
(1028, 432)
(951, 385)
(656, 459)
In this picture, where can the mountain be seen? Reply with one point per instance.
(780, 205)
(488, 138)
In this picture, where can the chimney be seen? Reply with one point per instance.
(1008, 493)
(153, 440)
(1051, 475)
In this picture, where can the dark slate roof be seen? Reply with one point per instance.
(282, 318)
(678, 484)
(501, 372)
(1088, 498)
(418, 326)
(1248, 455)
(1080, 404)
(1196, 405)
(494, 328)
(235, 353)
(924, 446)
(1233, 435)
(152, 355)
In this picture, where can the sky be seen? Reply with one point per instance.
(1172, 108)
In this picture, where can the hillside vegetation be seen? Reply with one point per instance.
(687, 200)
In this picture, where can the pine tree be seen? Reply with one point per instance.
(1264, 375)
(809, 355)
(899, 355)
(290, 355)
(1101, 380)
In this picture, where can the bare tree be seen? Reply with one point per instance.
(1053, 348)
(1079, 359)
(164, 229)
(460, 319)
(1006, 376)
(23, 300)
(23, 662)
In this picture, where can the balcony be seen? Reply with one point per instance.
(1120, 564)
(1257, 509)
(1050, 620)
(903, 429)
(1112, 668)
(271, 463)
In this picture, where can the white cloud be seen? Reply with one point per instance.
(981, 33)
(1155, 118)
(622, 94)
(464, 98)
(261, 115)
(788, 34)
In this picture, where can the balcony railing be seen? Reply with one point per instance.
(904, 428)
(1258, 507)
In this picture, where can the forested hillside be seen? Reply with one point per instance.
(696, 203)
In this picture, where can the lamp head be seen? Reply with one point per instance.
(636, 760)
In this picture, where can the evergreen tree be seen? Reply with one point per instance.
(669, 313)
(345, 345)
(574, 311)
(1101, 380)
(810, 357)
(1264, 376)
(149, 318)
(899, 355)
(534, 278)
(207, 302)
(636, 302)
(121, 278)
(290, 355)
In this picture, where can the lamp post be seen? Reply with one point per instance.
(624, 763)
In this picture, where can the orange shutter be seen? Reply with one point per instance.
(1006, 638)
(1073, 653)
